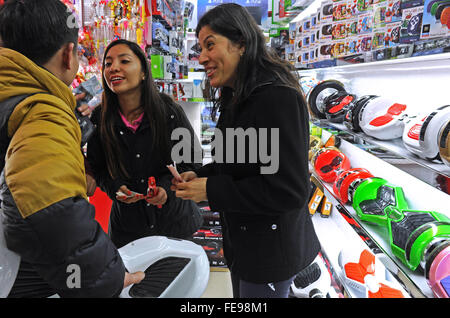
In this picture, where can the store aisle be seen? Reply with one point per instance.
(219, 285)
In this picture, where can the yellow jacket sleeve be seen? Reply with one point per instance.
(44, 163)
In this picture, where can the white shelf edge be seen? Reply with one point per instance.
(376, 64)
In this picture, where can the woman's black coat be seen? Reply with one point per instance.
(268, 232)
(128, 222)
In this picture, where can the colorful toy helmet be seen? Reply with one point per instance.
(329, 162)
(351, 118)
(421, 135)
(336, 106)
(345, 179)
(318, 94)
(444, 143)
(382, 118)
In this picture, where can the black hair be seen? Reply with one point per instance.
(235, 23)
(37, 28)
(154, 105)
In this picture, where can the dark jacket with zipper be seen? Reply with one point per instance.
(268, 233)
(176, 218)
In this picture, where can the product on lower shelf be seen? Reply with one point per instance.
(366, 277)
(421, 133)
(314, 281)
(416, 237)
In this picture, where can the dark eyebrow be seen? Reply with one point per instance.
(121, 55)
(209, 36)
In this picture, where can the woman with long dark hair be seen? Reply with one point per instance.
(267, 230)
(132, 143)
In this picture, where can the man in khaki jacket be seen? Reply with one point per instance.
(47, 218)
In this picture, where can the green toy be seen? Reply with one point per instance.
(411, 233)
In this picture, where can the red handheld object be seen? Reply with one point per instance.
(152, 189)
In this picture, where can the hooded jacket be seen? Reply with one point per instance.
(47, 218)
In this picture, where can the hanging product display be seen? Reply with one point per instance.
(157, 26)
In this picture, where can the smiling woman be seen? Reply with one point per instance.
(267, 232)
(132, 143)
(220, 57)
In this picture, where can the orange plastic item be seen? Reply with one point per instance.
(395, 109)
(386, 292)
(366, 265)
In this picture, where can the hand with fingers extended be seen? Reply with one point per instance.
(155, 196)
(125, 195)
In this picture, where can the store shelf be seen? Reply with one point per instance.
(411, 63)
(394, 146)
(336, 234)
(419, 195)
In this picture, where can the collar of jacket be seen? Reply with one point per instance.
(262, 80)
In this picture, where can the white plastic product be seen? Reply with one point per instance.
(421, 134)
(9, 264)
(312, 282)
(174, 268)
(382, 118)
(411, 133)
(444, 143)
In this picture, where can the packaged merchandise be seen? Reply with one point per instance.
(392, 35)
(393, 11)
(365, 23)
(411, 24)
(436, 19)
